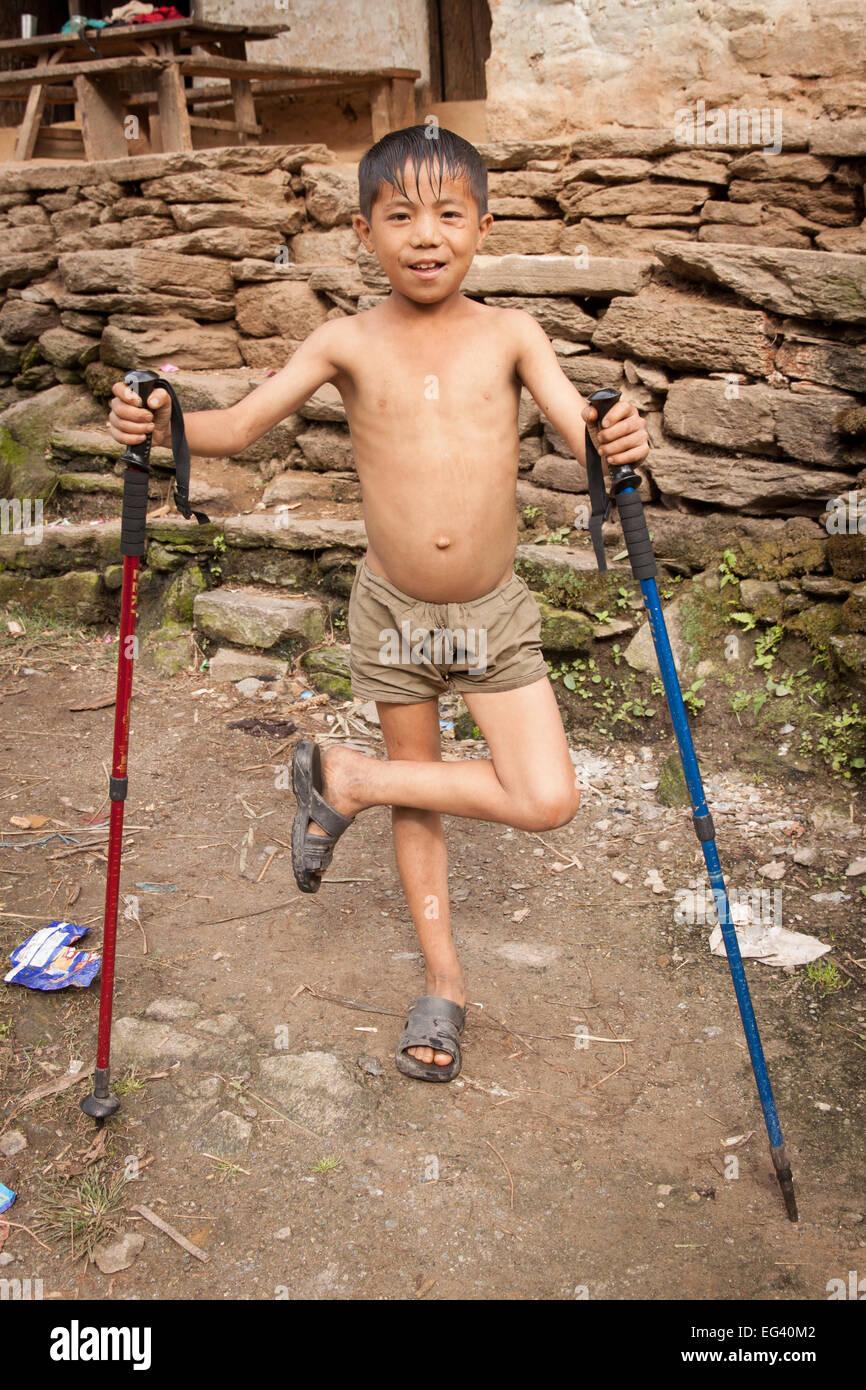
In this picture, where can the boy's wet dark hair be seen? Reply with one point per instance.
(442, 152)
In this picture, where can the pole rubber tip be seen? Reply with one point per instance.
(99, 1108)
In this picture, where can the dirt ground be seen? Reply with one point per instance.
(264, 1119)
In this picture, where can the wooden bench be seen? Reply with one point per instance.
(104, 88)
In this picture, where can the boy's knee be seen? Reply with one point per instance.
(568, 807)
(554, 810)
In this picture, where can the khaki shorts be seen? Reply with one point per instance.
(404, 650)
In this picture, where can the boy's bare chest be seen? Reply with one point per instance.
(437, 378)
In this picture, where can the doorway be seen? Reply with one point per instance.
(459, 33)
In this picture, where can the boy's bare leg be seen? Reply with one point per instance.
(527, 782)
(412, 733)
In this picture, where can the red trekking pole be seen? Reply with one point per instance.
(101, 1103)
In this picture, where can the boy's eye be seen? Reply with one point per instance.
(398, 216)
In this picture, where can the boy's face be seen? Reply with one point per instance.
(425, 241)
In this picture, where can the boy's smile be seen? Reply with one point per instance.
(426, 238)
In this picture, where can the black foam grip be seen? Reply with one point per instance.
(636, 533)
(134, 515)
(602, 401)
(143, 384)
(137, 455)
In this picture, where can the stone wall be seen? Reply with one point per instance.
(724, 291)
(572, 65)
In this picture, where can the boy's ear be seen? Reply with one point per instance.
(483, 229)
(363, 229)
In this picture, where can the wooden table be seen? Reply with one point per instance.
(66, 70)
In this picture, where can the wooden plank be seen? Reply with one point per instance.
(402, 103)
(220, 94)
(201, 67)
(29, 127)
(61, 71)
(101, 119)
(173, 116)
(192, 31)
(208, 123)
(242, 97)
(195, 65)
(353, 83)
(434, 43)
(465, 38)
(380, 110)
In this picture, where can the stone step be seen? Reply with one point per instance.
(255, 618)
(287, 533)
(298, 484)
(87, 483)
(80, 446)
(229, 664)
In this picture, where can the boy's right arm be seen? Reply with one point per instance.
(223, 433)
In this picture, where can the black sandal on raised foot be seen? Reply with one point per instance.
(311, 853)
(436, 1023)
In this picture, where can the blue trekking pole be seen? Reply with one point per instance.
(625, 484)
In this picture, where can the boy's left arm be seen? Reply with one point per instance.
(624, 438)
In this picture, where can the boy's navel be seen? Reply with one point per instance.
(442, 542)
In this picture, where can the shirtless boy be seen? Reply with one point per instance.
(431, 383)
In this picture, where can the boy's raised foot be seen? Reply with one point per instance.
(325, 810)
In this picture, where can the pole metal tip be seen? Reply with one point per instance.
(787, 1185)
(786, 1180)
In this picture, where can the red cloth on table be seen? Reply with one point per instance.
(163, 13)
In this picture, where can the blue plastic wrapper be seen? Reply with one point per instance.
(7, 1197)
(46, 960)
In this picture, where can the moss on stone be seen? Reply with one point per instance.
(563, 588)
(23, 472)
(672, 789)
(854, 609)
(705, 621)
(328, 670)
(287, 569)
(847, 556)
(780, 556)
(78, 595)
(817, 624)
(177, 601)
(164, 558)
(166, 650)
(564, 631)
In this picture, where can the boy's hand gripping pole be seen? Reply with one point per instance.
(625, 484)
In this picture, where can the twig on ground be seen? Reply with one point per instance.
(216, 1159)
(19, 1226)
(573, 863)
(622, 1064)
(507, 1170)
(267, 866)
(48, 1088)
(254, 912)
(174, 1235)
(288, 1119)
(351, 1003)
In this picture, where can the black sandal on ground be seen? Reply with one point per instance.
(436, 1023)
